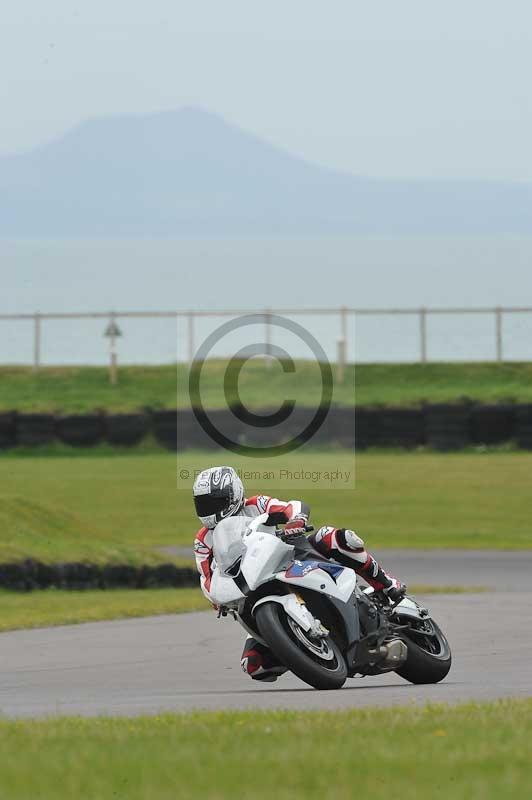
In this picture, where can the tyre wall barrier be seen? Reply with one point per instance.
(400, 427)
(8, 430)
(233, 425)
(80, 430)
(367, 423)
(523, 426)
(126, 430)
(190, 433)
(492, 424)
(293, 428)
(340, 428)
(35, 429)
(442, 427)
(447, 427)
(29, 575)
(164, 428)
(337, 428)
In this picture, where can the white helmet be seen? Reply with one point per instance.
(218, 493)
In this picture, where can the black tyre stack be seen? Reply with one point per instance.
(34, 430)
(523, 426)
(336, 430)
(493, 424)
(8, 430)
(367, 427)
(443, 427)
(447, 426)
(126, 430)
(341, 423)
(27, 575)
(401, 427)
(164, 426)
(80, 430)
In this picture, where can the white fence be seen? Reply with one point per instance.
(341, 315)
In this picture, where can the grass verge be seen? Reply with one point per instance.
(57, 607)
(80, 389)
(457, 753)
(53, 533)
(130, 505)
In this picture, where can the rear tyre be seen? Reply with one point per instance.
(319, 663)
(429, 655)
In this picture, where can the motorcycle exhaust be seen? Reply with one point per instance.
(396, 653)
(389, 656)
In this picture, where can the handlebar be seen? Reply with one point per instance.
(262, 519)
(291, 538)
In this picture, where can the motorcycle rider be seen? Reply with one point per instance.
(219, 493)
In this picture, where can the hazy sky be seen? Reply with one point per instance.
(412, 88)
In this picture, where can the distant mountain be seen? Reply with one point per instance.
(188, 172)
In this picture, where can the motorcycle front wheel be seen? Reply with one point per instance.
(318, 662)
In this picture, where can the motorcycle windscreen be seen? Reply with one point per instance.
(227, 542)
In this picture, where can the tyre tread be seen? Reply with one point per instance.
(271, 629)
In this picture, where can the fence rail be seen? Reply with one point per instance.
(343, 313)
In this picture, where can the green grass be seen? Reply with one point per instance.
(52, 533)
(412, 384)
(467, 752)
(78, 389)
(124, 507)
(59, 607)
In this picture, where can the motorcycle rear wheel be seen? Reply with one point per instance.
(328, 671)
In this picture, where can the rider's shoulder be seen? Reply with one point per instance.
(203, 534)
(203, 542)
(258, 501)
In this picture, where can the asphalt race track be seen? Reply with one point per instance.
(182, 662)
(503, 570)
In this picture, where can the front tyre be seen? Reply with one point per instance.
(429, 655)
(318, 662)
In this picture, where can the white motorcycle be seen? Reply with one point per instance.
(313, 615)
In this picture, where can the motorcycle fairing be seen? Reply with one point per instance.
(293, 607)
(224, 589)
(298, 569)
(264, 555)
(319, 580)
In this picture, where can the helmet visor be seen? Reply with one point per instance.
(207, 505)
